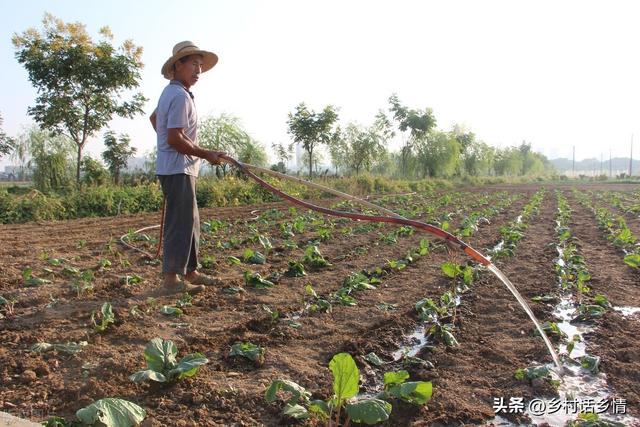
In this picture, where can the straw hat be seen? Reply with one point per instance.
(186, 48)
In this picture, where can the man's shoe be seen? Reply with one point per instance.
(184, 287)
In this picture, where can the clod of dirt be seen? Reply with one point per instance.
(28, 376)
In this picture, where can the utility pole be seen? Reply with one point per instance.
(573, 168)
(610, 168)
(631, 158)
(601, 163)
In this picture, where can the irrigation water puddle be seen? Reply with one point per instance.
(627, 311)
(579, 387)
(418, 338)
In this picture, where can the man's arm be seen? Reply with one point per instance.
(183, 145)
(152, 119)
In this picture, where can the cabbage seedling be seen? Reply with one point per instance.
(253, 257)
(248, 350)
(296, 269)
(312, 256)
(162, 363)
(416, 392)
(106, 317)
(256, 280)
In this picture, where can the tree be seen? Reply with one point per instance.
(418, 123)
(117, 153)
(50, 159)
(6, 142)
(93, 172)
(224, 133)
(79, 81)
(20, 152)
(338, 150)
(283, 155)
(364, 146)
(438, 154)
(253, 153)
(311, 129)
(508, 162)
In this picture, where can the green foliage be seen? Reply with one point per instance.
(591, 363)
(93, 173)
(309, 129)
(112, 412)
(587, 312)
(162, 364)
(7, 144)
(591, 419)
(79, 81)
(225, 133)
(313, 257)
(106, 317)
(417, 392)
(117, 153)
(345, 377)
(369, 411)
(633, 260)
(532, 373)
(253, 257)
(50, 159)
(171, 311)
(256, 280)
(248, 350)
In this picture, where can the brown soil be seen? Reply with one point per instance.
(495, 336)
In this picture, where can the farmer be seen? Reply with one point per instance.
(175, 121)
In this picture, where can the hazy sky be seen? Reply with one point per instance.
(553, 73)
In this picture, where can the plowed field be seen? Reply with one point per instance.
(494, 334)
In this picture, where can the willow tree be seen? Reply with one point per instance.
(80, 82)
(225, 133)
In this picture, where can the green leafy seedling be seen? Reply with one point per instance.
(111, 412)
(171, 311)
(296, 269)
(162, 364)
(416, 392)
(248, 350)
(106, 317)
(256, 280)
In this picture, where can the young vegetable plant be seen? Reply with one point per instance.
(106, 317)
(296, 269)
(318, 304)
(253, 257)
(256, 280)
(109, 411)
(396, 386)
(346, 378)
(313, 257)
(248, 350)
(31, 280)
(162, 364)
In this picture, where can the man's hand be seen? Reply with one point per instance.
(214, 158)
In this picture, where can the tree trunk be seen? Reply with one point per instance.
(78, 165)
(311, 163)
